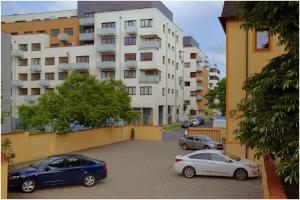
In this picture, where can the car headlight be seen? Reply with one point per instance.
(13, 177)
(252, 166)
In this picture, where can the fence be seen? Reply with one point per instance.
(214, 133)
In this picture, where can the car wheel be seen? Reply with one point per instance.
(206, 147)
(189, 172)
(28, 185)
(240, 174)
(184, 146)
(89, 180)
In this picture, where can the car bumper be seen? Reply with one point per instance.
(14, 184)
(254, 172)
(178, 168)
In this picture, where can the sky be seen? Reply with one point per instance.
(198, 19)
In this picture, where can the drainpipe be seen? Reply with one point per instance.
(120, 44)
(175, 78)
(247, 71)
(166, 61)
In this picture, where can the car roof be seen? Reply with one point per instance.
(66, 155)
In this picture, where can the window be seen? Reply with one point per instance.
(62, 75)
(87, 15)
(109, 57)
(177, 65)
(169, 46)
(202, 156)
(177, 38)
(35, 76)
(164, 59)
(108, 74)
(218, 157)
(74, 162)
(23, 62)
(82, 59)
(172, 76)
(23, 77)
(152, 73)
(164, 28)
(108, 25)
(173, 34)
(131, 90)
(54, 32)
(146, 90)
(35, 91)
(108, 41)
(172, 48)
(68, 31)
(173, 62)
(193, 74)
(193, 93)
(49, 61)
(49, 76)
(129, 73)
(35, 46)
(87, 30)
(163, 91)
(146, 56)
(23, 47)
(35, 61)
(130, 56)
(168, 90)
(187, 102)
(187, 83)
(168, 75)
(169, 31)
(22, 91)
(130, 41)
(63, 60)
(14, 33)
(60, 163)
(172, 91)
(262, 40)
(193, 112)
(28, 32)
(41, 31)
(130, 23)
(193, 55)
(84, 73)
(47, 90)
(146, 23)
(54, 45)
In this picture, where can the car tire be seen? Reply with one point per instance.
(89, 180)
(206, 147)
(28, 185)
(185, 146)
(189, 172)
(240, 174)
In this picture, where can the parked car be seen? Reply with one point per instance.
(200, 120)
(215, 163)
(199, 142)
(186, 124)
(58, 170)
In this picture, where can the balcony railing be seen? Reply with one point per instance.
(131, 30)
(35, 67)
(80, 66)
(63, 36)
(30, 98)
(199, 69)
(44, 83)
(131, 64)
(149, 79)
(17, 83)
(199, 87)
(17, 53)
(199, 98)
(144, 45)
(86, 21)
(106, 64)
(86, 36)
(64, 66)
(106, 48)
(106, 31)
(199, 78)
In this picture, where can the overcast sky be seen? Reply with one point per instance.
(198, 19)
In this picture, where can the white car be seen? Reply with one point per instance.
(215, 163)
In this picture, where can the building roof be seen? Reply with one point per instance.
(228, 11)
(189, 41)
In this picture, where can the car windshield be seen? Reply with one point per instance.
(206, 139)
(39, 163)
(232, 157)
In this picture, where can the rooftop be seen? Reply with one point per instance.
(228, 11)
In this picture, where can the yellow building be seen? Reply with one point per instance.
(202, 105)
(247, 52)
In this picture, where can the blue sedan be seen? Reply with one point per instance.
(58, 170)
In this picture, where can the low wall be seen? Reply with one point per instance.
(4, 168)
(215, 133)
(147, 132)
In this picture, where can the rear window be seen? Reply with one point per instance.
(75, 162)
(201, 156)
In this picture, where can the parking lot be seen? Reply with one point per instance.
(144, 169)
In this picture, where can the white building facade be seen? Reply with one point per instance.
(214, 76)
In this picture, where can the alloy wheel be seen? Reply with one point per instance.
(189, 172)
(28, 186)
(240, 174)
(89, 180)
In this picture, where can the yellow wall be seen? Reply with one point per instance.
(147, 132)
(47, 25)
(4, 168)
(202, 105)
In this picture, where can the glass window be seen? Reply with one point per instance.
(22, 91)
(35, 76)
(87, 15)
(23, 77)
(202, 156)
(262, 40)
(108, 74)
(35, 46)
(35, 61)
(47, 90)
(82, 59)
(186, 102)
(146, 56)
(108, 41)
(63, 60)
(146, 90)
(23, 62)
(192, 74)
(218, 157)
(193, 55)
(49, 76)
(73, 162)
(146, 23)
(68, 31)
(109, 25)
(131, 90)
(23, 47)
(110, 57)
(60, 163)
(130, 41)
(62, 75)
(193, 93)
(130, 56)
(129, 73)
(50, 61)
(35, 91)
(130, 23)
(54, 32)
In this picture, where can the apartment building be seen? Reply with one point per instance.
(214, 76)
(195, 78)
(247, 52)
(136, 42)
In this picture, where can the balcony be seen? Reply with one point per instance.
(131, 64)
(17, 83)
(131, 30)
(80, 66)
(106, 65)
(35, 67)
(86, 36)
(149, 79)
(64, 66)
(199, 98)
(63, 36)
(106, 31)
(145, 45)
(199, 88)
(106, 48)
(17, 53)
(30, 98)
(87, 21)
(199, 69)
(199, 78)
(44, 83)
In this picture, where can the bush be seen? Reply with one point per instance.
(132, 133)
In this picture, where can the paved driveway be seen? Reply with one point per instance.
(143, 169)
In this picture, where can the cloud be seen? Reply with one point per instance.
(14, 8)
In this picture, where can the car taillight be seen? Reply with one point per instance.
(178, 159)
(105, 167)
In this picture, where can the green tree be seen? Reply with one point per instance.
(269, 116)
(80, 100)
(219, 92)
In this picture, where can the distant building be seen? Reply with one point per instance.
(214, 76)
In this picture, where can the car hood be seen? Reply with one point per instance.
(214, 142)
(23, 170)
(246, 162)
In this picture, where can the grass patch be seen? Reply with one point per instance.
(172, 126)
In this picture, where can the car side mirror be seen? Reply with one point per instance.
(229, 161)
(47, 168)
